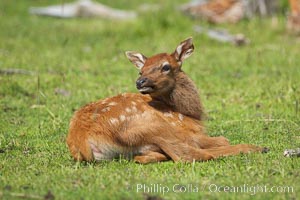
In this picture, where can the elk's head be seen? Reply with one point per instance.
(158, 73)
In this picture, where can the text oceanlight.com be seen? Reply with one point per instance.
(251, 189)
(214, 188)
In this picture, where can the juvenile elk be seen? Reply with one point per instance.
(161, 123)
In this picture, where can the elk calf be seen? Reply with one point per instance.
(161, 123)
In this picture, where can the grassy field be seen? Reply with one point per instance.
(251, 94)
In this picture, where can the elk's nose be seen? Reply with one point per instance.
(140, 82)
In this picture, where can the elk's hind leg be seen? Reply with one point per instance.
(181, 151)
(177, 152)
(168, 140)
(235, 150)
(168, 144)
(207, 142)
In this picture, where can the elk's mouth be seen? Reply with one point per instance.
(146, 90)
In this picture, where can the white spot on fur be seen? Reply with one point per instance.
(173, 123)
(105, 109)
(112, 103)
(122, 118)
(104, 101)
(128, 110)
(168, 114)
(126, 95)
(180, 116)
(133, 103)
(114, 120)
(134, 117)
(134, 109)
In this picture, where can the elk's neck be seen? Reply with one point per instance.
(184, 98)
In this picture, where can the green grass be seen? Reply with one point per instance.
(251, 94)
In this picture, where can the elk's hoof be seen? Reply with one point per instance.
(265, 150)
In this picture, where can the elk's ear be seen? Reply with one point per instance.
(184, 50)
(136, 58)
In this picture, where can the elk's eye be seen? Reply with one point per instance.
(140, 73)
(166, 68)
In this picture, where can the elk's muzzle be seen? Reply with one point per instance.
(144, 85)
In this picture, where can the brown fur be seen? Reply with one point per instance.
(163, 124)
(219, 6)
(218, 11)
(293, 22)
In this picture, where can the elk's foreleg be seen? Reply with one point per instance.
(151, 157)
